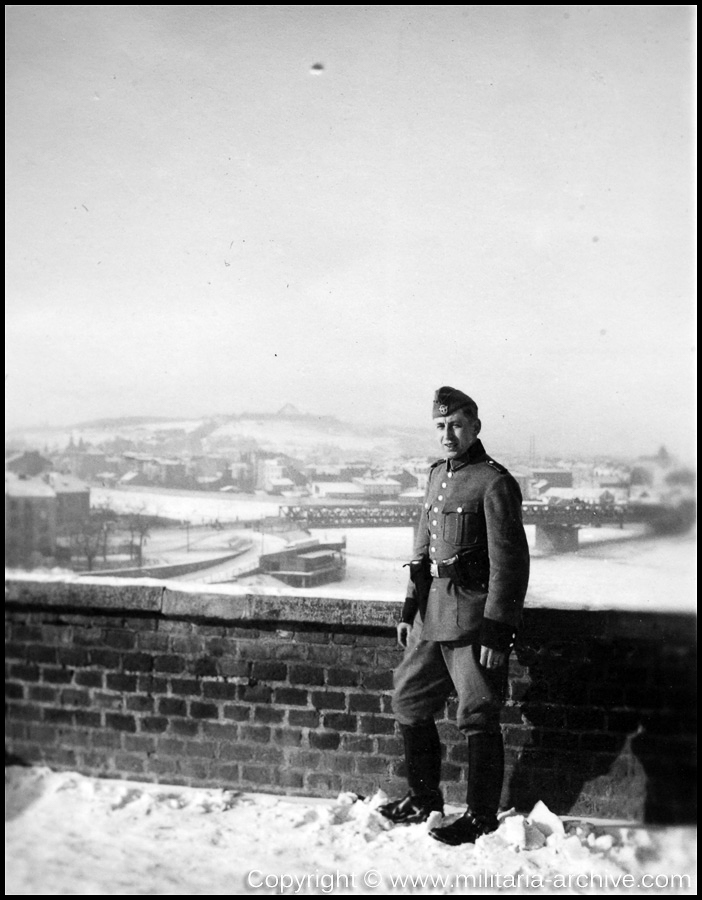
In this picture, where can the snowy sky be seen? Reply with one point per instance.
(494, 197)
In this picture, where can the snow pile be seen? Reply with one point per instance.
(68, 834)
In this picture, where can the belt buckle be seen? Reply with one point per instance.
(434, 570)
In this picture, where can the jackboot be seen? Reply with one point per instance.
(423, 761)
(486, 766)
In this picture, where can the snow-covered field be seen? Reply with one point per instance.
(71, 835)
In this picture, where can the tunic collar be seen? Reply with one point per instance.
(475, 453)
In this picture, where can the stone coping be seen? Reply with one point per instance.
(239, 604)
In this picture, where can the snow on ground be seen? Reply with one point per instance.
(69, 834)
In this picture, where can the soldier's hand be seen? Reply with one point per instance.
(404, 629)
(492, 659)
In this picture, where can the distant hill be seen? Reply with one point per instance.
(287, 431)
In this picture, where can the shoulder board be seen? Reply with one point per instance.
(498, 467)
(436, 463)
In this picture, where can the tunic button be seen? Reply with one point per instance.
(460, 509)
(433, 549)
(450, 474)
(441, 497)
(426, 505)
(433, 521)
(436, 509)
(434, 536)
(443, 484)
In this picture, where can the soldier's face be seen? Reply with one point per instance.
(456, 433)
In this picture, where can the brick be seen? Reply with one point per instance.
(233, 668)
(373, 640)
(14, 690)
(185, 727)
(169, 664)
(172, 706)
(56, 676)
(27, 633)
(341, 637)
(23, 673)
(323, 783)
(268, 715)
(42, 734)
(89, 679)
(340, 722)
(187, 646)
(238, 752)
(204, 667)
(175, 627)
(88, 637)
(258, 734)
(42, 693)
(514, 736)
(292, 780)
(255, 693)
(150, 684)
(137, 662)
(185, 687)
(155, 641)
(310, 675)
(371, 765)
(390, 746)
(271, 671)
(41, 654)
(219, 731)
(262, 775)
(129, 763)
(341, 677)
(354, 744)
(154, 724)
(73, 697)
(105, 659)
(328, 699)
(75, 657)
(237, 713)
(203, 710)
(119, 682)
(87, 718)
(303, 718)
(140, 703)
(139, 743)
(218, 690)
(290, 696)
(119, 639)
(376, 725)
(324, 740)
(378, 681)
(312, 637)
(364, 703)
(194, 768)
(57, 716)
(286, 737)
(326, 656)
(105, 740)
(120, 722)
(108, 701)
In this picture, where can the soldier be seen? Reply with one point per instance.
(467, 584)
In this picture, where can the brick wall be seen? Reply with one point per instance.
(293, 694)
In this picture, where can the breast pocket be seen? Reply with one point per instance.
(462, 526)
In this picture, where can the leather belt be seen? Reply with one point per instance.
(438, 571)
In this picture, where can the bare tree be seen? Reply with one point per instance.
(139, 525)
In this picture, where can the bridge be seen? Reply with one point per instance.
(398, 515)
(556, 526)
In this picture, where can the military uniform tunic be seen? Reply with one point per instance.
(472, 510)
